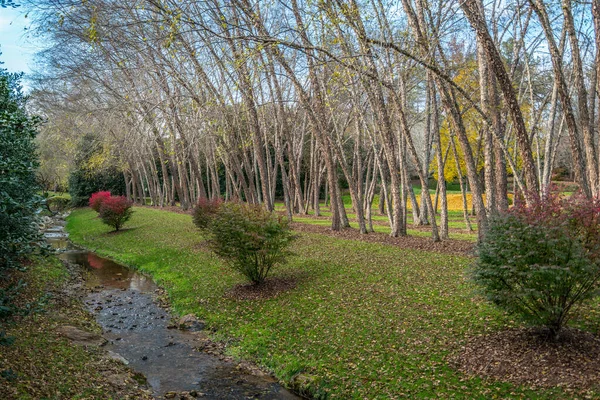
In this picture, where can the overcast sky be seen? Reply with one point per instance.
(16, 44)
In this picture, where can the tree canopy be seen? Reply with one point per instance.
(257, 99)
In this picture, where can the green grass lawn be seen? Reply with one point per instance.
(66, 195)
(381, 223)
(365, 320)
(455, 210)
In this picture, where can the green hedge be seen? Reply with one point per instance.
(19, 200)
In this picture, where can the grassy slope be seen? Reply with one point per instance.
(370, 321)
(46, 365)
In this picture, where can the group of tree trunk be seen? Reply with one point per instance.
(258, 100)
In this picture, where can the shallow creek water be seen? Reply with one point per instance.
(139, 330)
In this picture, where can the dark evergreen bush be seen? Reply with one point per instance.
(19, 201)
(92, 176)
(540, 261)
(82, 183)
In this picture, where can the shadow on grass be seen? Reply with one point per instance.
(122, 230)
(277, 283)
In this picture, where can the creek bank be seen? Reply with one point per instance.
(141, 333)
(56, 350)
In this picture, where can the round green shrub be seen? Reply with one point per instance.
(58, 203)
(541, 260)
(248, 238)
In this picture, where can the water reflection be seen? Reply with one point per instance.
(104, 272)
(109, 274)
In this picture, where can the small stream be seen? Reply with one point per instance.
(141, 332)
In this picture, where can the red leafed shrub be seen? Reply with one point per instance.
(205, 211)
(97, 199)
(577, 216)
(115, 211)
(542, 260)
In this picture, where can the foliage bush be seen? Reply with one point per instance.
(94, 171)
(249, 238)
(205, 211)
(97, 199)
(82, 183)
(19, 201)
(542, 260)
(58, 203)
(115, 211)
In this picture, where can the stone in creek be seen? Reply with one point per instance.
(117, 357)
(81, 337)
(191, 323)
